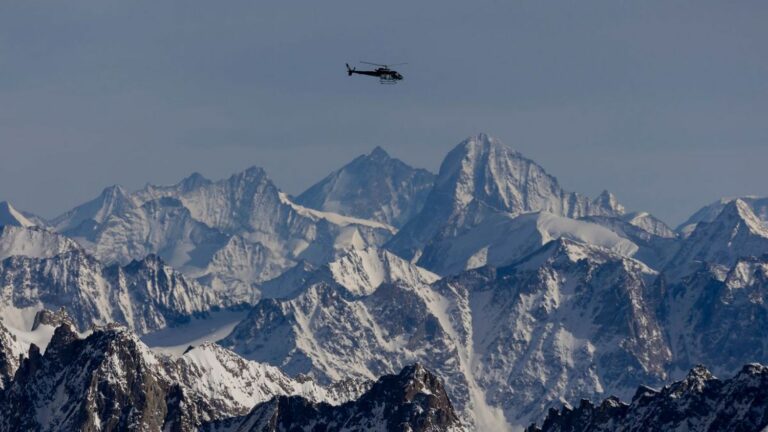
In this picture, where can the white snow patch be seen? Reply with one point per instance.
(175, 340)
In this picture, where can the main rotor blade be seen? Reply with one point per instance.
(398, 64)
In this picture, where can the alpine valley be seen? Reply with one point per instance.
(484, 297)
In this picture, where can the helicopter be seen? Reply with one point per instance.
(385, 74)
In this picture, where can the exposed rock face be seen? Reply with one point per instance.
(413, 400)
(566, 321)
(374, 186)
(481, 177)
(718, 316)
(699, 403)
(53, 319)
(108, 381)
(9, 356)
(145, 295)
(111, 381)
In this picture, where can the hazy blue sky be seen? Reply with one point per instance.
(664, 103)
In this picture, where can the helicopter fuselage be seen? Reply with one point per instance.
(384, 74)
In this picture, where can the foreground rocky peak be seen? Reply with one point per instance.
(111, 381)
(10, 351)
(373, 186)
(698, 403)
(413, 400)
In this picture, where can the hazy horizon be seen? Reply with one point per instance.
(662, 104)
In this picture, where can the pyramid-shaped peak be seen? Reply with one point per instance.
(738, 210)
(10, 216)
(113, 191)
(484, 142)
(379, 153)
(254, 171)
(251, 175)
(194, 181)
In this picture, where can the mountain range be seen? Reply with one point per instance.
(518, 294)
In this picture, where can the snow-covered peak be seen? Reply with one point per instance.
(362, 271)
(374, 186)
(32, 242)
(482, 168)
(650, 224)
(193, 181)
(112, 200)
(608, 200)
(11, 216)
(759, 206)
(735, 233)
(378, 153)
(481, 177)
(738, 210)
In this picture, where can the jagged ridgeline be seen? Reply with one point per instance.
(700, 402)
(516, 293)
(111, 381)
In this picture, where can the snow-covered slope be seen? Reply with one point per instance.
(656, 243)
(112, 200)
(373, 186)
(717, 316)
(736, 232)
(146, 295)
(698, 403)
(566, 321)
(649, 223)
(503, 238)
(482, 177)
(367, 314)
(230, 234)
(11, 216)
(33, 242)
(759, 206)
